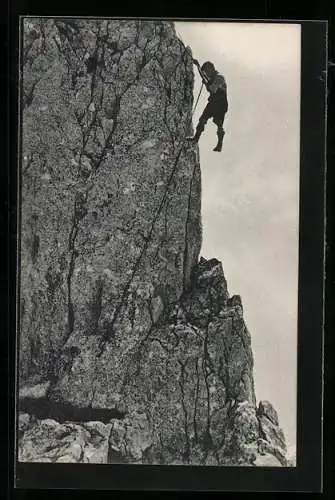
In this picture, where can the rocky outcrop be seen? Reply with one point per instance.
(271, 432)
(131, 348)
(192, 371)
(187, 395)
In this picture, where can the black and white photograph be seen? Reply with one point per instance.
(158, 242)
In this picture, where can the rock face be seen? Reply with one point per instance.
(110, 220)
(131, 348)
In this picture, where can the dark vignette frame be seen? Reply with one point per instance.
(307, 476)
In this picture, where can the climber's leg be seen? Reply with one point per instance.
(202, 123)
(220, 132)
(206, 115)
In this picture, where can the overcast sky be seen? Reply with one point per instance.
(251, 190)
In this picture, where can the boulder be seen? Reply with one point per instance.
(49, 441)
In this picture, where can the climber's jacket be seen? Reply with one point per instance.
(216, 86)
(217, 83)
(217, 89)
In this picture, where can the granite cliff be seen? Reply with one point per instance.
(131, 348)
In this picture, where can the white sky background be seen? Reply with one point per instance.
(250, 191)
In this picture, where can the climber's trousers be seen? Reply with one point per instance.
(217, 113)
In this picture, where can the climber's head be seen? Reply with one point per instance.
(208, 68)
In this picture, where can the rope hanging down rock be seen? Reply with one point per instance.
(196, 103)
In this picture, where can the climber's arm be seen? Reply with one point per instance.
(203, 76)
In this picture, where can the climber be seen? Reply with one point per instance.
(217, 102)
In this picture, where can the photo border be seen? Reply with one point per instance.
(307, 475)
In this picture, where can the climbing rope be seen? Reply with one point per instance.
(196, 103)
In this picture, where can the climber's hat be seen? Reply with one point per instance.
(208, 68)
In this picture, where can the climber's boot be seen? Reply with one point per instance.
(193, 138)
(220, 135)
